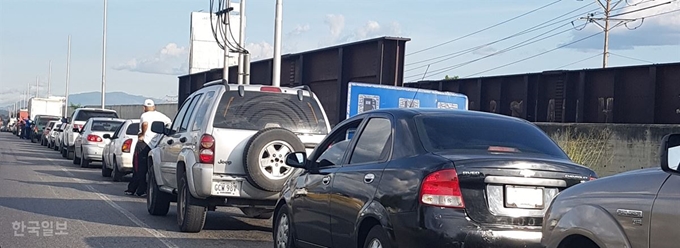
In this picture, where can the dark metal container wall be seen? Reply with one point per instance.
(643, 94)
(326, 71)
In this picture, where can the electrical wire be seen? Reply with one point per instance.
(536, 55)
(631, 58)
(524, 43)
(576, 62)
(484, 29)
(528, 30)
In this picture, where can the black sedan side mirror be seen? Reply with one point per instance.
(158, 127)
(107, 136)
(670, 153)
(297, 160)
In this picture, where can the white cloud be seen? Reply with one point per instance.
(371, 29)
(660, 30)
(299, 29)
(170, 60)
(260, 50)
(336, 24)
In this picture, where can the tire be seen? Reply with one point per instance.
(157, 201)
(64, 151)
(190, 218)
(377, 234)
(84, 163)
(117, 174)
(76, 160)
(71, 153)
(256, 148)
(106, 172)
(283, 234)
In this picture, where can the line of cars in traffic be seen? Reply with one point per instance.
(383, 178)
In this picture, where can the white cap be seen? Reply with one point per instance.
(149, 103)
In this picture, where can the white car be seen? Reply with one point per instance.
(118, 153)
(57, 129)
(89, 146)
(77, 120)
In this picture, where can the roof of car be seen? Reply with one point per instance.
(96, 109)
(411, 112)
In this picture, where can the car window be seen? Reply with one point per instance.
(117, 133)
(202, 111)
(105, 126)
(132, 129)
(474, 134)
(257, 110)
(374, 143)
(187, 116)
(336, 144)
(178, 118)
(84, 115)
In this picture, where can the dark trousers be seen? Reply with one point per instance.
(27, 133)
(140, 167)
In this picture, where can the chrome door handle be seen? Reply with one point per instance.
(326, 180)
(368, 178)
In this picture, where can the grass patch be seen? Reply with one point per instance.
(586, 147)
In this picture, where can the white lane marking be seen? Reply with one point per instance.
(118, 208)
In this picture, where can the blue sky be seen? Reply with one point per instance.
(155, 34)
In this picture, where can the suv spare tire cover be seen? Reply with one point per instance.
(254, 150)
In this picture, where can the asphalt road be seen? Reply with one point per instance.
(42, 191)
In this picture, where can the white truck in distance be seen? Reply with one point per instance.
(52, 106)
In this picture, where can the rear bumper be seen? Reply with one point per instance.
(203, 179)
(125, 162)
(93, 152)
(454, 229)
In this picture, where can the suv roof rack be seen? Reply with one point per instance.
(216, 82)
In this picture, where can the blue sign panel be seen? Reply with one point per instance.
(363, 97)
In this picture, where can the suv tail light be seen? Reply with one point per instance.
(94, 138)
(127, 144)
(442, 189)
(206, 152)
(270, 89)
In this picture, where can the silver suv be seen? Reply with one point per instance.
(227, 146)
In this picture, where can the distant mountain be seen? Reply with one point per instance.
(112, 98)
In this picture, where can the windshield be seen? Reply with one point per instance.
(480, 134)
(106, 126)
(43, 120)
(133, 129)
(258, 110)
(85, 115)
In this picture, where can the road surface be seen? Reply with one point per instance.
(59, 204)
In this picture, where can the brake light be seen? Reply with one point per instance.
(127, 144)
(94, 138)
(592, 178)
(270, 89)
(206, 153)
(442, 189)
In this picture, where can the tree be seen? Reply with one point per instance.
(74, 106)
(450, 78)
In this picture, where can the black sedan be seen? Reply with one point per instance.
(424, 178)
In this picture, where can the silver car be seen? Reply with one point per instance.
(118, 153)
(89, 145)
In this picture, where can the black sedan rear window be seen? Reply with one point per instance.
(481, 134)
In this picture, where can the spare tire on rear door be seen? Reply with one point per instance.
(265, 155)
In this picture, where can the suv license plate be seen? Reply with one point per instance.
(524, 197)
(227, 188)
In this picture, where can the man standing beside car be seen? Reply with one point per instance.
(144, 145)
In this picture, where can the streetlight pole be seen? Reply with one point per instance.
(276, 71)
(68, 73)
(104, 58)
(49, 80)
(37, 86)
(241, 42)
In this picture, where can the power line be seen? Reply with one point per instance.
(528, 30)
(524, 43)
(631, 58)
(536, 55)
(576, 62)
(484, 29)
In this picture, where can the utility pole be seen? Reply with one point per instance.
(68, 73)
(225, 21)
(104, 59)
(242, 42)
(37, 86)
(276, 71)
(49, 80)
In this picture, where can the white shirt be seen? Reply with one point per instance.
(149, 118)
